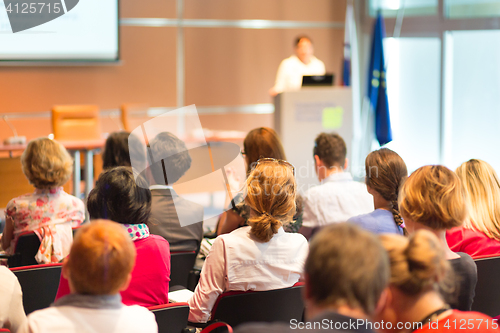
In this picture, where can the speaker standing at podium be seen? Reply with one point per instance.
(291, 70)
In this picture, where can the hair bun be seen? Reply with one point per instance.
(264, 226)
(427, 263)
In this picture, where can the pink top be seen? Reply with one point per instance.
(474, 243)
(150, 276)
(51, 214)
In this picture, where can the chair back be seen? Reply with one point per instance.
(14, 182)
(487, 299)
(76, 122)
(181, 263)
(172, 317)
(280, 305)
(25, 251)
(128, 108)
(39, 285)
(218, 327)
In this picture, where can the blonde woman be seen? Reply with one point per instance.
(261, 256)
(480, 234)
(432, 199)
(50, 212)
(419, 269)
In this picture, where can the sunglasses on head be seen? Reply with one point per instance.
(282, 162)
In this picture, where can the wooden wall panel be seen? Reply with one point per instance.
(146, 74)
(236, 121)
(226, 66)
(293, 10)
(148, 8)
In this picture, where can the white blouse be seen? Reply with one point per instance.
(238, 262)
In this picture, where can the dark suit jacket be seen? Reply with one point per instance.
(167, 209)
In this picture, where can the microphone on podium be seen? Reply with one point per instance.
(13, 140)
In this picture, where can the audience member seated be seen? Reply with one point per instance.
(385, 173)
(176, 219)
(11, 301)
(419, 269)
(480, 233)
(123, 149)
(119, 197)
(99, 267)
(261, 256)
(338, 197)
(432, 198)
(346, 272)
(262, 142)
(50, 212)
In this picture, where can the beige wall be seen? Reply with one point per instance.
(224, 66)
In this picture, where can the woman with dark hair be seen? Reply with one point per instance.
(123, 149)
(385, 173)
(119, 197)
(262, 142)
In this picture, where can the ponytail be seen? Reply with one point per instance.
(397, 217)
(264, 226)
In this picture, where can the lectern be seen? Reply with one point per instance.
(299, 116)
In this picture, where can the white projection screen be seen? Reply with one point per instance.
(59, 31)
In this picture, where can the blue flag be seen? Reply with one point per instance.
(377, 89)
(348, 30)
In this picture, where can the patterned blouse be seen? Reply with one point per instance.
(51, 214)
(241, 208)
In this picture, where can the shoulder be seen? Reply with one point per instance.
(317, 61)
(295, 238)
(136, 318)
(44, 318)
(153, 243)
(456, 233)
(159, 240)
(15, 201)
(465, 264)
(7, 279)
(289, 62)
(6, 273)
(312, 193)
(139, 312)
(77, 202)
(361, 219)
(237, 235)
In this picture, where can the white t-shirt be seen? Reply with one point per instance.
(11, 301)
(69, 319)
(239, 262)
(291, 70)
(337, 199)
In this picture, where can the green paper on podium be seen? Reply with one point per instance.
(332, 117)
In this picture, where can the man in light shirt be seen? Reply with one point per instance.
(338, 197)
(291, 70)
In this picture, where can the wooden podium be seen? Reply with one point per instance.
(299, 116)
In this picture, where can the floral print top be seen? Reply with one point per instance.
(51, 214)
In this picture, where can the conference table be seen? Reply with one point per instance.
(88, 147)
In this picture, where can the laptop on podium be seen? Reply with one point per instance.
(318, 80)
